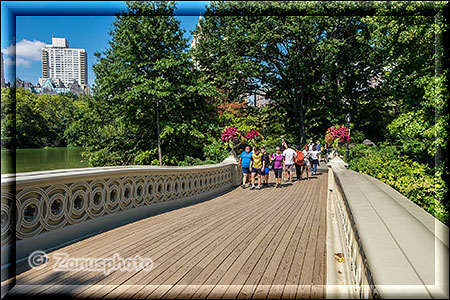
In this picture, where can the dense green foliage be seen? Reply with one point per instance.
(30, 121)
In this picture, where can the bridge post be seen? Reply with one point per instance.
(237, 174)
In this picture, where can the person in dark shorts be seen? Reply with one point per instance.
(244, 162)
(265, 173)
(256, 166)
(299, 158)
(278, 166)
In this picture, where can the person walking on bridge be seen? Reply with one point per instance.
(306, 162)
(289, 156)
(244, 162)
(256, 165)
(299, 159)
(278, 165)
(315, 160)
(319, 149)
(265, 172)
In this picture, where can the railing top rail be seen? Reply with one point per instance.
(403, 244)
(100, 171)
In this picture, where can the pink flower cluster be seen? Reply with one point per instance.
(252, 134)
(230, 133)
(339, 132)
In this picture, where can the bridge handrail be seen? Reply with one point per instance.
(58, 206)
(404, 248)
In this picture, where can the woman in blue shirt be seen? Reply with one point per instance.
(244, 162)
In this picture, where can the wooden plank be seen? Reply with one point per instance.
(319, 283)
(176, 271)
(242, 270)
(308, 261)
(297, 260)
(249, 278)
(148, 278)
(281, 279)
(254, 280)
(288, 250)
(173, 251)
(248, 229)
(223, 262)
(267, 279)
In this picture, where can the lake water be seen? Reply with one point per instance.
(28, 160)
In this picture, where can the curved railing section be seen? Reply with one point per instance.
(394, 247)
(66, 200)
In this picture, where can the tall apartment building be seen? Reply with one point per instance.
(61, 63)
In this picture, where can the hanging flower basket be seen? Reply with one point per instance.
(234, 138)
(337, 134)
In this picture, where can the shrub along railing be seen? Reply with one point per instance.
(395, 248)
(60, 206)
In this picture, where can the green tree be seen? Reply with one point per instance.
(148, 97)
(317, 68)
(8, 119)
(35, 121)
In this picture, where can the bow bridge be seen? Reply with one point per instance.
(338, 234)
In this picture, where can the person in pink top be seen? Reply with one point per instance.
(278, 165)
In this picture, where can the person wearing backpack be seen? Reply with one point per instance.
(299, 162)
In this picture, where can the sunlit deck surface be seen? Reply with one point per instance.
(243, 244)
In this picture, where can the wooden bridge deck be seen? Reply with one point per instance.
(243, 244)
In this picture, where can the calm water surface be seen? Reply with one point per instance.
(28, 160)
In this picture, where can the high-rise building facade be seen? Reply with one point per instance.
(61, 63)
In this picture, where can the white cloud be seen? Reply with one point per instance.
(26, 51)
(19, 62)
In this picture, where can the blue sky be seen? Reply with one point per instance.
(86, 32)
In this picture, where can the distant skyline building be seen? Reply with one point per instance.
(196, 37)
(63, 64)
(195, 41)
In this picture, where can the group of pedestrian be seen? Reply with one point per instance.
(256, 164)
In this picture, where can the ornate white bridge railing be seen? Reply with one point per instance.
(54, 207)
(392, 247)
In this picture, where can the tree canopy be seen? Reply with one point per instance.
(147, 90)
(318, 68)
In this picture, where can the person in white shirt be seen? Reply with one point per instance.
(289, 155)
(315, 160)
